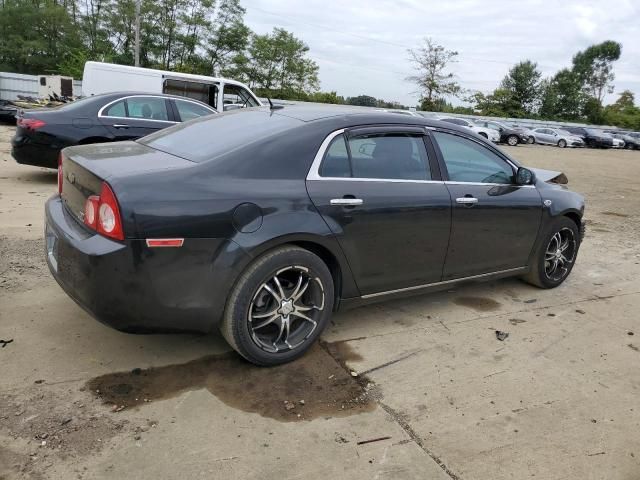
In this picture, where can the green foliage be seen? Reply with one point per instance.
(594, 68)
(363, 101)
(623, 112)
(521, 89)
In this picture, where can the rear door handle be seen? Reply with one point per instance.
(346, 202)
(467, 200)
(120, 125)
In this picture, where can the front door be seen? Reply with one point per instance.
(494, 222)
(376, 191)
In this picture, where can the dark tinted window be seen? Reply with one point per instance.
(208, 137)
(379, 156)
(468, 161)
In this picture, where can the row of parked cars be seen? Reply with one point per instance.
(515, 134)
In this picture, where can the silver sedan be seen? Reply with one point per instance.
(557, 136)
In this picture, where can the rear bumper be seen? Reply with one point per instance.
(137, 289)
(27, 152)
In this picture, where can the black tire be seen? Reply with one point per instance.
(482, 134)
(513, 140)
(562, 143)
(539, 273)
(240, 332)
(531, 140)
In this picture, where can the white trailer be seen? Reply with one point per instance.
(221, 93)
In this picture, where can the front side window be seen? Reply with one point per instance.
(377, 156)
(147, 108)
(191, 110)
(468, 161)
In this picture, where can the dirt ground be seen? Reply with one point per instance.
(436, 395)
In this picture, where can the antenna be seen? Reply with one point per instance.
(274, 107)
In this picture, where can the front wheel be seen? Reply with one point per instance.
(279, 306)
(556, 254)
(512, 140)
(562, 143)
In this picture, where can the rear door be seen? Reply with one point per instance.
(380, 192)
(136, 116)
(494, 221)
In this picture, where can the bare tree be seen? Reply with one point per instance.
(431, 61)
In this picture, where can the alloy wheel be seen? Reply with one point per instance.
(560, 254)
(512, 140)
(285, 309)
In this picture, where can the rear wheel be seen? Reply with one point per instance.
(562, 143)
(556, 254)
(512, 140)
(531, 140)
(279, 306)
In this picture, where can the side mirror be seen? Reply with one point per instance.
(231, 106)
(524, 176)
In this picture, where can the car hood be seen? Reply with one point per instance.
(550, 176)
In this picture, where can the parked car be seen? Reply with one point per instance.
(101, 77)
(556, 136)
(264, 232)
(508, 135)
(42, 133)
(8, 111)
(617, 141)
(528, 131)
(630, 142)
(592, 137)
(488, 133)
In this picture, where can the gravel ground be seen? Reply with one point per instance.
(435, 396)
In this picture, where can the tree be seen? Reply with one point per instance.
(277, 66)
(594, 68)
(227, 39)
(431, 61)
(563, 97)
(623, 112)
(522, 85)
(363, 101)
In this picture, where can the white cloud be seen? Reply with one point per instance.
(361, 45)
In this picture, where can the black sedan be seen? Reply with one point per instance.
(287, 215)
(42, 133)
(592, 138)
(512, 136)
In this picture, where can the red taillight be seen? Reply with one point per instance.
(60, 175)
(102, 214)
(30, 123)
(91, 207)
(109, 221)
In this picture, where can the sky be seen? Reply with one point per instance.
(361, 46)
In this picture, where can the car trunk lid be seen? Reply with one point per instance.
(86, 167)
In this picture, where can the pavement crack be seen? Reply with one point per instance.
(392, 362)
(416, 439)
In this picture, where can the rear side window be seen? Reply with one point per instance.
(377, 156)
(468, 161)
(190, 110)
(149, 108)
(116, 110)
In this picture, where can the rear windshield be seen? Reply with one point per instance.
(211, 136)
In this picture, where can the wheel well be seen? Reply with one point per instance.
(330, 260)
(575, 217)
(88, 140)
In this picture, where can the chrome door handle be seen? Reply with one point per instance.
(467, 200)
(120, 125)
(346, 202)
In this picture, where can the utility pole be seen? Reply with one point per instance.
(137, 54)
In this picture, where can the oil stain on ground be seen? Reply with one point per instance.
(615, 214)
(480, 304)
(316, 385)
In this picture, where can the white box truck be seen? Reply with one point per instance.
(221, 93)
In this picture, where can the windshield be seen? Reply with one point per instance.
(210, 136)
(592, 131)
(564, 132)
